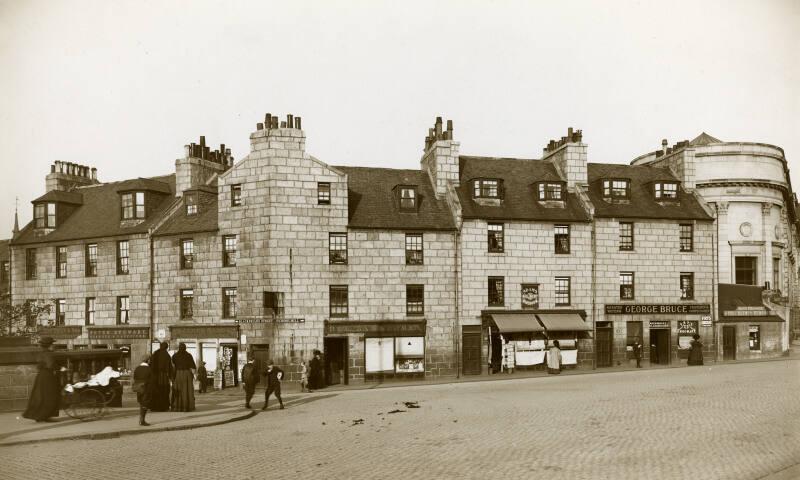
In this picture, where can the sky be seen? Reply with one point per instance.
(122, 86)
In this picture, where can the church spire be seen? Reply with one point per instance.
(16, 219)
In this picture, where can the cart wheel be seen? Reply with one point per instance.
(89, 405)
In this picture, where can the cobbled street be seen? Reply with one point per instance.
(721, 422)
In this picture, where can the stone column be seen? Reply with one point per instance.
(724, 249)
(766, 236)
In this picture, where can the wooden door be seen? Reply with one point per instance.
(604, 343)
(471, 351)
(729, 343)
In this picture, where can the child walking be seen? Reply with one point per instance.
(303, 376)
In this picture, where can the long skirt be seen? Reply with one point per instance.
(45, 397)
(159, 400)
(183, 391)
(553, 371)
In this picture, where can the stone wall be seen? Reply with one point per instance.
(16, 382)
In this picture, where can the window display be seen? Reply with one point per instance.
(379, 354)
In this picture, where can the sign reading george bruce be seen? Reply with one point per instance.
(699, 309)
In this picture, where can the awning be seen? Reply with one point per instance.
(750, 319)
(516, 322)
(563, 322)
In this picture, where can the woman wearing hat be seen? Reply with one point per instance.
(696, 352)
(46, 391)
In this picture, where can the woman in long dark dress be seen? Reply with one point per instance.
(183, 384)
(161, 370)
(316, 378)
(46, 392)
(696, 352)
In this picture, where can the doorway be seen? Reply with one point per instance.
(729, 343)
(659, 347)
(471, 349)
(260, 354)
(335, 359)
(496, 351)
(605, 344)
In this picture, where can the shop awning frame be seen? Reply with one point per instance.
(516, 322)
(563, 322)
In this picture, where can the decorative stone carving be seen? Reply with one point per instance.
(746, 229)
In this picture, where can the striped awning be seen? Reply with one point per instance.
(516, 322)
(563, 322)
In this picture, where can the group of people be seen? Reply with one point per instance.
(310, 378)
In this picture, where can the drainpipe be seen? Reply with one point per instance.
(457, 322)
(152, 290)
(714, 287)
(594, 295)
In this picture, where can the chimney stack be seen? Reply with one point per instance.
(569, 156)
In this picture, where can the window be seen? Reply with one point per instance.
(687, 286)
(530, 296)
(666, 191)
(123, 310)
(486, 189)
(550, 191)
(61, 262)
(132, 205)
(626, 287)
(616, 188)
(415, 299)
(187, 253)
(776, 273)
(496, 291)
(89, 317)
(414, 254)
(61, 311)
(746, 270)
(30, 320)
(191, 203)
(90, 255)
(44, 215)
(5, 272)
(755, 337)
(496, 240)
(323, 193)
(337, 253)
(229, 302)
(30, 264)
(562, 291)
(633, 334)
(229, 251)
(123, 253)
(625, 236)
(273, 304)
(687, 329)
(408, 198)
(561, 235)
(687, 238)
(338, 300)
(236, 195)
(187, 300)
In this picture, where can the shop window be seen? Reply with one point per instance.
(337, 248)
(323, 193)
(746, 270)
(191, 203)
(409, 354)
(229, 302)
(562, 291)
(687, 329)
(123, 310)
(489, 188)
(61, 311)
(626, 236)
(273, 304)
(408, 198)
(89, 317)
(755, 337)
(30, 264)
(338, 300)
(666, 191)
(125, 360)
(187, 303)
(229, 250)
(414, 252)
(90, 255)
(496, 237)
(44, 215)
(415, 299)
(132, 205)
(616, 189)
(687, 237)
(530, 296)
(187, 253)
(236, 195)
(496, 291)
(561, 236)
(633, 333)
(123, 257)
(550, 191)
(61, 262)
(626, 286)
(687, 286)
(379, 355)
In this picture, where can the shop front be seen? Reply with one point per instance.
(217, 345)
(748, 328)
(130, 340)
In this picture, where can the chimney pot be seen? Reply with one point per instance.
(268, 120)
(450, 126)
(297, 123)
(289, 120)
(53, 168)
(202, 140)
(569, 133)
(259, 126)
(283, 124)
(94, 174)
(274, 122)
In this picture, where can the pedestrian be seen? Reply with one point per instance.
(637, 352)
(696, 351)
(143, 382)
(183, 383)
(161, 366)
(303, 376)
(274, 376)
(315, 376)
(202, 378)
(250, 379)
(46, 392)
(554, 359)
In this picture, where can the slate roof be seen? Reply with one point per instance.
(74, 198)
(704, 139)
(520, 200)
(372, 202)
(204, 221)
(98, 216)
(642, 203)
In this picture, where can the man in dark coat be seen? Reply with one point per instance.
(250, 379)
(161, 366)
(316, 377)
(637, 353)
(274, 376)
(696, 351)
(143, 386)
(46, 392)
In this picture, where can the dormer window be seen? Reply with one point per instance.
(191, 203)
(44, 215)
(617, 188)
(408, 198)
(132, 205)
(488, 188)
(666, 190)
(550, 191)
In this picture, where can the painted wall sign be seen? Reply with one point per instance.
(247, 320)
(530, 296)
(705, 321)
(402, 329)
(103, 333)
(686, 327)
(61, 332)
(625, 309)
(204, 331)
(659, 323)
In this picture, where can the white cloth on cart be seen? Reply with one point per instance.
(530, 357)
(569, 357)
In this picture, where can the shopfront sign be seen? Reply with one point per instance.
(660, 309)
(387, 329)
(248, 320)
(61, 332)
(686, 327)
(705, 321)
(530, 296)
(105, 333)
(204, 331)
(659, 323)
